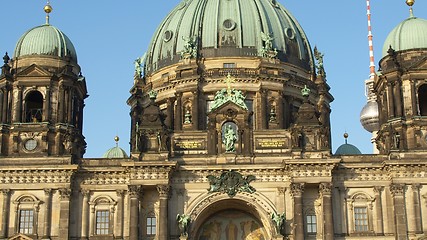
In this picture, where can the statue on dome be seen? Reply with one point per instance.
(319, 65)
(268, 51)
(190, 47)
(139, 65)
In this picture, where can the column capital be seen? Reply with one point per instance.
(325, 188)
(281, 190)
(120, 192)
(163, 190)
(378, 190)
(397, 189)
(47, 191)
(297, 189)
(85, 192)
(415, 187)
(64, 193)
(134, 191)
(5, 192)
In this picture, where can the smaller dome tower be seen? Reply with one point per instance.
(115, 152)
(347, 149)
(45, 85)
(401, 88)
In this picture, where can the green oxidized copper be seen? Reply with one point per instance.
(229, 94)
(305, 92)
(279, 221)
(231, 182)
(230, 138)
(152, 94)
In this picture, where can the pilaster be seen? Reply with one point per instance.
(47, 213)
(325, 190)
(134, 192)
(398, 193)
(64, 213)
(163, 211)
(379, 210)
(5, 213)
(85, 213)
(297, 190)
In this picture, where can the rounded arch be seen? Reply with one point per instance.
(207, 205)
(33, 106)
(422, 100)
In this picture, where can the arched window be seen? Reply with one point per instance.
(422, 99)
(34, 107)
(26, 214)
(360, 209)
(102, 208)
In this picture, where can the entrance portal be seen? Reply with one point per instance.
(231, 224)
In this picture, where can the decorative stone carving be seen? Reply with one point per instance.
(64, 193)
(397, 189)
(134, 191)
(297, 189)
(163, 190)
(325, 188)
(231, 182)
(5, 192)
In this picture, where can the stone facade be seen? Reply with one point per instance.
(258, 165)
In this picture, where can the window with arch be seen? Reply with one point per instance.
(360, 208)
(34, 107)
(26, 214)
(422, 100)
(102, 208)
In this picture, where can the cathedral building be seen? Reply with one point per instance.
(230, 137)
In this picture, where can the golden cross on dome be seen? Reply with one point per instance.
(229, 80)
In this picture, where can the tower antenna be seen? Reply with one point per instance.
(371, 45)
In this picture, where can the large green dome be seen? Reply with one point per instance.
(409, 34)
(45, 40)
(229, 28)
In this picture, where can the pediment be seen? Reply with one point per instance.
(20, 237)
(420, 63)
(34, 71)
(225, 107)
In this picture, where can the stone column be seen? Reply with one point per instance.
(5, 213)
(70, 106)
(390, 101)
(325, 190)
(195, 110)
(47, 212)
(5, 105)
(379, 210)
(398, 192)
(119, 218)
(64, 213)
(61, 103)
(46, 105)
(169, 110)
(85, 213)
(280, 114)
(163, 212)
(263, 105)
(398, 99)
(1, 103)
(296, 190)
(134, 195)
(416, 217)
(343, 207)
(17, 113)
(178, 112)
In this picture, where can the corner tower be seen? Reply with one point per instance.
(401, 88)
(218, 65)
(42, 96)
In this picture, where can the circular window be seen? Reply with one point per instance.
(289, 32)
(30, 144)
(167, 36)
(229, 24)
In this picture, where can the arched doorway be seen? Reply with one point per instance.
(218, 217)
(231, 224)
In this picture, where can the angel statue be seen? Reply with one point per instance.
(279, 221)
(183, 222)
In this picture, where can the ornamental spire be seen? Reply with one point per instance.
(47, 9)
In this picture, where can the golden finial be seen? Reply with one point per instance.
(47, 9)
(345, 136)
(116, 139)
(410, 3)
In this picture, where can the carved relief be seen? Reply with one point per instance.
(297, 189)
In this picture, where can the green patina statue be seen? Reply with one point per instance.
(230, 138)
(229, 94)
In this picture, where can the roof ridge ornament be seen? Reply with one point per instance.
(47, 9)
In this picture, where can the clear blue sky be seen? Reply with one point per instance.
(108, 35)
